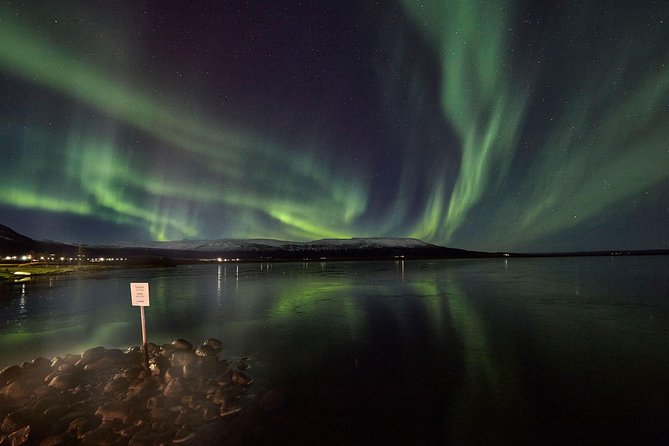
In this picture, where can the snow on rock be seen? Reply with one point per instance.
(270, 244)
(358, 243)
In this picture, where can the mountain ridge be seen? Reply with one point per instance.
(13, 243)
(326, 243)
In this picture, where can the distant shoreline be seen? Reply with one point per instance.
(24, 272)
(17, 273)
(63, 258)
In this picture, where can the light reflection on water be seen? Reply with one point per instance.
(466, 351)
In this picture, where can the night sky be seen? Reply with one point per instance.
(490, 125)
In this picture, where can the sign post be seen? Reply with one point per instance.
(139, 292)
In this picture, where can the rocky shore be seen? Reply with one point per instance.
(188, 395)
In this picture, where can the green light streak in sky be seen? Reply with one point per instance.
(483, 107)
(534, 164)
(624, 158)
(303, 197)
(602, 146)
(608, 151)
(27, 200)
(93, 183)
(44, 63)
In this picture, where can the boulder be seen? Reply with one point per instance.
(36, 370)
(118, 384)
(148, 435)
(172, 373)
(229, 411)
(9, 374)
(66, 367)
(71, 358)
(20, 436)
(55, 412)
(44, 391)
(17, 390)
(181, 358)
(183, 436)
(141, 389)
(243, 365)
(64, 381)
(52, 402)
(209, 411)
(158, 365)
(114, 410)
(241, 379)
(152, 403)
(81, 425)
(92, 354)
(13, 422)
(166, 350)
(134, 372)
(206, 350)
(214, 343)
(102, 436)
(161, 414)
(219, 397)
(182, 344)
(191, 371)
(175, 388)
(100, 364)
(62, 439)
(114, 353)
(46, 403)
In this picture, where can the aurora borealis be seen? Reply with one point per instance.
(494, 125)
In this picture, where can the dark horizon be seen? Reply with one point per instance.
(178, 249)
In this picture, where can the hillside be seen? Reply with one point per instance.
(15, 244)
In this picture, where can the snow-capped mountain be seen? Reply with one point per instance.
(251, 249)
(265, 244)
(359, 242)
(266, 249)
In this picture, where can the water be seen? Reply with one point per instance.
(513, 351)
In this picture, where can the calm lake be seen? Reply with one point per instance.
(513, 351)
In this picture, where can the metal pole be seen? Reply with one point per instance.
(144, 343)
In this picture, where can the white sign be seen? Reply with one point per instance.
(140, 294)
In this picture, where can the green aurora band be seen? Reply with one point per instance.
(607, 146)
(230, 158)
(526, 175)
(483, 108)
